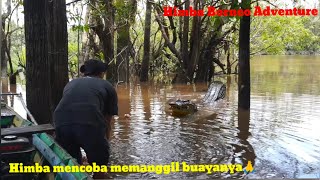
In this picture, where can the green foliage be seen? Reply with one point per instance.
(101, 55)
(125, 10)
(269, 35)
(17, 48)
(72, 58)
(81, 28)
(280, 35)
(18, 2)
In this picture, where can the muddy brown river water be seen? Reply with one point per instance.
(281, 137)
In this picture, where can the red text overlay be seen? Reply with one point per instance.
(257, 11)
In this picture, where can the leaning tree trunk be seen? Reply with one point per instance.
(57, 48)
(244, 60)
(37, 64)
(146, 47)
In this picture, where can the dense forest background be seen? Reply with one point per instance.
(136, 40)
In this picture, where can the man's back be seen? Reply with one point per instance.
(86, 101)
(83, 116)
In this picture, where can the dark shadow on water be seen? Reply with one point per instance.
(278, 135)
(243, 135)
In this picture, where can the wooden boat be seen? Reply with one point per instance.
(23, 141)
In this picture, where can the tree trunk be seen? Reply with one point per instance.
(4, 45)
(57, 48)
(228, 85)
(205, 64)
(185, 37)
(228, 62)
(244, 60)
(108, 40)
(37, 64)
(146, 47)
(85, 48)
(123, 45)
(3, 54)
(103, 26)
(126, 16)
(205, 70)
(195, 45)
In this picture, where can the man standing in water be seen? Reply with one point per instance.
(83, 116)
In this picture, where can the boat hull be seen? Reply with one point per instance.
(43, 150)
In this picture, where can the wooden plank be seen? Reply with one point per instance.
(28, 130)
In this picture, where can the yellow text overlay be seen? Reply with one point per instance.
(158, 169)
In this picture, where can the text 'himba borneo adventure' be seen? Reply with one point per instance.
(258, 11)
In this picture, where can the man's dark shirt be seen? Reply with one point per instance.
(86, 101)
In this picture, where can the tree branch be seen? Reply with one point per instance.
(164, 35)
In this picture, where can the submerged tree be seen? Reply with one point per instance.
(125, 16)
(200, 38)
(244, 59)
(146, 47)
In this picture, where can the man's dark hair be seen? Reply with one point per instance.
(93, 67)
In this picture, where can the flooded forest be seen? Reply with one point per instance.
(268, 66)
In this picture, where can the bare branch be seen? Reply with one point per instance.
(75, 1)
(165, 36)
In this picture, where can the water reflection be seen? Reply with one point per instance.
(153, 136)
(279, 135)
(243, 135)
